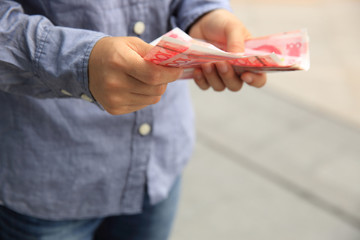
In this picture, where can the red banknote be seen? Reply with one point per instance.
(278, 52)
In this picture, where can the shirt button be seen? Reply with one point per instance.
(144, 129)
(63, 91)
(139, 28)
(86, 97)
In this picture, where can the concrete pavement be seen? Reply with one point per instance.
(282, 162)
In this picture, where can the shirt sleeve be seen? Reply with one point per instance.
(186, 12)
(42, 60)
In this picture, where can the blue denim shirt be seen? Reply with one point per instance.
(62, 157)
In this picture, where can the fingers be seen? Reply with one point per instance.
(146, 71)
(221, 75)
(228, 76)
(254, 79)
(131, 99)
(139, 46)
(128, 58)
(152, 74)
(122, 102)
(121, 80)
(124, 109)
(236, 38)
(212, 77)
(133, 85)
(125, 91)
(200, 80)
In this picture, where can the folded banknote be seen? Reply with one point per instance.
(286, 51)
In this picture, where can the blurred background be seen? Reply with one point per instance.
(282, 162)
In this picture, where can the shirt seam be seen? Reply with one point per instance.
(38, 53)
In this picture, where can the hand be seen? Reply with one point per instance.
(121, 80)
(222, 29)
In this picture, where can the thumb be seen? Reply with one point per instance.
(236, 36)
(139, 46)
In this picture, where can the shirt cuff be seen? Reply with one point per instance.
(87, 95)
(62, 59)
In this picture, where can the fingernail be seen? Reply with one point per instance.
(222, 67)
(208, 68)
(247, 78)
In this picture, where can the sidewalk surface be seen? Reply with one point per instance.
(282, 162)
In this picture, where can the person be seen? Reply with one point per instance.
(93, 137)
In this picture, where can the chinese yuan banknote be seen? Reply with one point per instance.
(287, 51)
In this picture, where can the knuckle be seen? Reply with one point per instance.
(204, 87)
(219, 88)
(176, 73)
(202, 82)
(160, 90)
(154, 78)
(113, 102)
(259, 84)
(118, 110)
(133, 39)
(112, 84)
(235, 88)
(113, 111)
(155, 100)
(114, 61)
(262, 83)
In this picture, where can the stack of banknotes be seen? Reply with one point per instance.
(287, 51)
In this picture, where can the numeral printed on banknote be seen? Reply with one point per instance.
(287, 51)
